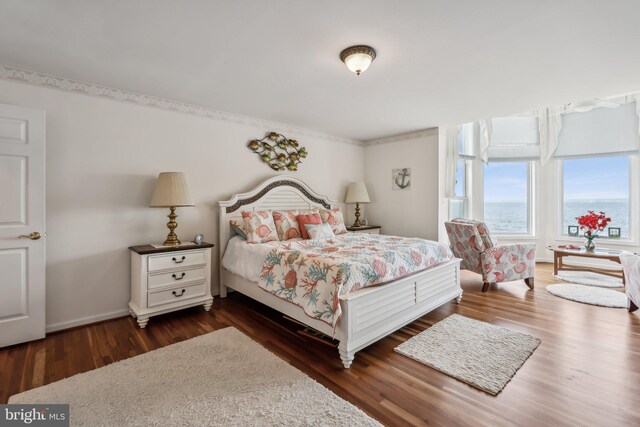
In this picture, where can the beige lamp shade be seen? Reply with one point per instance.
(357, 193)
(171, 191)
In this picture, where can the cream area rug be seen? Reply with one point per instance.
(590, 279)
(221, 378)
(589, 295)
(477, 353)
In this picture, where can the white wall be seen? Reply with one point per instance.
(103, 157)
(414, 212)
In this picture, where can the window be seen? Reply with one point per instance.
(506, 197)
(459, 205)
(598, 184)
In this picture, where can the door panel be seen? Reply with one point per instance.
(22, 210)
(13, 131)
(13, 282)
(14, 182)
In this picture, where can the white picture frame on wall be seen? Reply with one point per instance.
(401, 179)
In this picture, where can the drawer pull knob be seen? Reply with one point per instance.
(175, 294)
(179, 278)
(179, 262)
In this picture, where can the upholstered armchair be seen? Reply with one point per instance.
(471, 241)
(631, 267)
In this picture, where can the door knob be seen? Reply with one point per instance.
(33, 236)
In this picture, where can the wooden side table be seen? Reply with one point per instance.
(369, 229)
(168, 279)
(560, 253)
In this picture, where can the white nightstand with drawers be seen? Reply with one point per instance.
(168, 279)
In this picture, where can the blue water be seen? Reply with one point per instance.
(511, 217)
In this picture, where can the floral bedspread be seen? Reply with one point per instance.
(313, 274)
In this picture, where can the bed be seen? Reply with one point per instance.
(365, 314)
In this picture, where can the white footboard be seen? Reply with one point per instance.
(373, 313)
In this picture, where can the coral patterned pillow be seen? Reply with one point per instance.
(237, 224)
(303, 220)
(259, 226)
(287, 224)
(335, 219)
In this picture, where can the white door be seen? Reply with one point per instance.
(22, 197)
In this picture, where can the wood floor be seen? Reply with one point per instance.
(585, 372)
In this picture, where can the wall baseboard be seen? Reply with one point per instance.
(85, 320)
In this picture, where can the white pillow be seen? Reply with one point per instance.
(319, 231)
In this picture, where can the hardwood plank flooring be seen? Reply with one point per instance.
(585, 372)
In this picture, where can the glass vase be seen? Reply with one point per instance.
(590, 244)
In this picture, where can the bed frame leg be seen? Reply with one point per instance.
(223, 290)
(459, 298)
(346, 356)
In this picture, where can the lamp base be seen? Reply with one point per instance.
(357, 222)
(172, 238)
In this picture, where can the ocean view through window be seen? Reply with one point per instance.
(506, 197)
(598, 184)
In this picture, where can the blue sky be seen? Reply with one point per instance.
(604, 178)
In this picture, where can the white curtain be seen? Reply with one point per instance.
(451, 161)
(485, 139)
(549, 125)
(606, 129)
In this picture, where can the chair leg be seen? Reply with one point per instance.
(631, 306)
(529, 282)
(485, 286)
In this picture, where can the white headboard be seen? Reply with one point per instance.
(279, 192)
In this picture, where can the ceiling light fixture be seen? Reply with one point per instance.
(358, 58)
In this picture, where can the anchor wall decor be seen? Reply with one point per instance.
(401, 179)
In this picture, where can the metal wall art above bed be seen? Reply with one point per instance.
(278, 151)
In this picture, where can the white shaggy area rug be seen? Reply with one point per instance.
(590, 279)
(589, 295)
(477, 353)
(221, 378)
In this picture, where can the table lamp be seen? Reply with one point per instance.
(357, 194)
(171, 192)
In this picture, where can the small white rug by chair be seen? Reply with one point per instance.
(477, 353)
(221, 378)
(589, 295)
(590, 279)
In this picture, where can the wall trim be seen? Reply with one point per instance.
(95, 90)
(402, 136)
(85, 320)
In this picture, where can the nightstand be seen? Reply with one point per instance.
(168, 279)
(369, 229)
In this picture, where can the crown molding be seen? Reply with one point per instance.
(95, 90)
(402, 137)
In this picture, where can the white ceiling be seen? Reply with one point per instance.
(439, 62)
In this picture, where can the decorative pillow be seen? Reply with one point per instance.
(287, 224)
(303, 220)
(259, 226)
(238, 227)
(319, 231)
(335, 219)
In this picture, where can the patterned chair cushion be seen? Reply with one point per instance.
(472, 242)
(505, 263)
(483, 231)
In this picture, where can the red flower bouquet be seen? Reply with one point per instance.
(592, 223)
